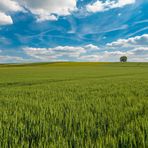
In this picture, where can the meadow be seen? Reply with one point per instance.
(74, 105)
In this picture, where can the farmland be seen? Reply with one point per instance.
(74, 105)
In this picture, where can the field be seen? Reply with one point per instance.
(74, 105)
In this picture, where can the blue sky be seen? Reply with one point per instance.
(73, 30)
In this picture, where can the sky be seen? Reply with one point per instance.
(73, 30)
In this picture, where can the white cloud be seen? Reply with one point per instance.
(122, 3)
(136, 49)
(92, 47)
(60, 52)
(43, 17)
(90, 58)
(50, 9)
(10, 5)
(140, 51)
(130, 42)
(5, 19)
(7, 6)
(135, 55)
(42, 9)
(100, 6)
(96, 7)
(10, 59)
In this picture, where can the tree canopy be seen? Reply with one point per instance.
(123, 59)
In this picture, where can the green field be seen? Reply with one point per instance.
(74, 105)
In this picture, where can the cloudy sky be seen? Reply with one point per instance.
(73, 30)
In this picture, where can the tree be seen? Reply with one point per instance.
(123, 59)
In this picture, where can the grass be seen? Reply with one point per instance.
(74, 105)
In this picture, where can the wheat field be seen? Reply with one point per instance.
(74, 105)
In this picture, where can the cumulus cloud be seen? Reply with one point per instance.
(42, 17)
(7, 6)
(92, 47)
(10, 5)
(90, 58)
(140, 51)
(100, 6)
(135, 48)
(49, 9)
(5, 19)
(10, 59)
(69, 52)
(42, 9)
(130, 42)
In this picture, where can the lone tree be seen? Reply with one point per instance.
(123, 59)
